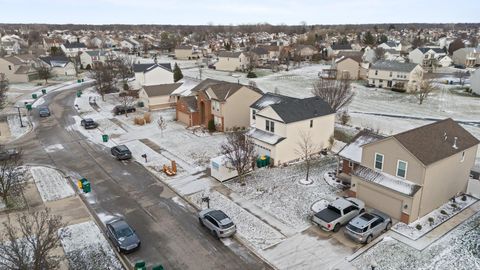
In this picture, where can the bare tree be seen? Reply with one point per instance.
(239, 151)
(424, 89)
(31, 238)
(44, 72)
(337, 93)
(4, 84)
(76, 63)
(104, 78)
(11, 178)
(379, 53)
(124, 67)
(306, 148)
(461, 75)
(162, 124)
(128, 98)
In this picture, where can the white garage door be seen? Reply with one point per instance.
(380, 201)
(184, 118)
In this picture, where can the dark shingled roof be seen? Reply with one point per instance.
(260, 50)
(205, 84)
(229, 54)
(426, 49)
(302, 109)
(221, 89)
(72, 45)
(148, 67)
(161, 89)
(429, 145)
(341, 47)
(393, 66)
(191, 102)
(269, 99)
(50, 59)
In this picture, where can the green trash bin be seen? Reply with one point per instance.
(44, 91)
(140, 265)
(259, 163)
(140, 104)
(29, 106)
(105, 138)
(158, 267)
(79, 93)
(79, 81)
(34, 96)
(86, 186)
(267, 161)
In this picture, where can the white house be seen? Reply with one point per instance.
(475, 81)
(232, 61)
(152, 74)
(391, 45)
(279, 123)
(10, 47)
(468, 57)
(156, 97)
(72, 49)
(445, 61)
(426, 57)
(129, 44)
(89, 59)
(395, 75)
(60, 65)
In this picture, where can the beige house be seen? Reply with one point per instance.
(60, 65)
(395, 75)
(152, 74)
(278, 124)
(186, 52)
(156, 97)
(349, 67)
(306, 52)
(412, 173)
(232, 61)
(17, 70)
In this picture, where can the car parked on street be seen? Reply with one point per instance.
(338, 213)
(121, 152)
(88, 123)
(219, 224)
(121, 109)
(367, 226)
(6, 154)
(123, 236)
(44, 112)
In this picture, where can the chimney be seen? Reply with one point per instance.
(455, 143)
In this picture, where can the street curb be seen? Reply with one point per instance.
(240, 239)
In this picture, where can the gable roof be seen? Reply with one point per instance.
(391, 44)
(55, 61)
(147, 67)
(355, 55)
(269, 99)
(203, 85)
(426, 49)
(96, 53)
(429, 143)
(260, 50)
(161, 89)
(73, 45)
(394, 66)
(229, 54)
(13, 59)
(302, 109)
(353, 150)
(224, 90)
(191, 102)
(341, 47)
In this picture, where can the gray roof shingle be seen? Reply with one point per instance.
(394, 66)
(302, 109)
(161, 89)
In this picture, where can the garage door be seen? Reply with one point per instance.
(184, 118)
(380, 201)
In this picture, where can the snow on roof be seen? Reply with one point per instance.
(264, 136)
(386, 180)
(353, 151)
(186, 88)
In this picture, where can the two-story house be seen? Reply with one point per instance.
(224, 103)
(72, 49)
(349, 65)
(409, 174)
(279, 122)
(232, 61)
(427, 57)
(186, 52)
(17, 69)
(391, 45)
(90, 59)
(59, 65)
(395, 75)
(152, 74)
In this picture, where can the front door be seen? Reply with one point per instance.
(202, 113)
(389, 84)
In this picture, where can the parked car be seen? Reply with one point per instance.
(44, 112)
(121, 109)
(121, 152)
(367, 226)
(123, 236)
(88, 123)
(212, 66)
(6, 154)
(338, 213)
(219, 224)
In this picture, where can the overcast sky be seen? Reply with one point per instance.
(238, 11)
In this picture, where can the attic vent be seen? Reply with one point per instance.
(445, 136)
(455, 143)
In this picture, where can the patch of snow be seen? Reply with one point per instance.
(86, 247)
(389, 181)
(51, 184)
(319, 205)
(16, 131)
(54, 148)
(38, 102)
(331, 179)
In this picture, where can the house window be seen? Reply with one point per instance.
(253, 114)
(376, 72)
(391, 74)
(350, 164)
(9, 67)
(270, 126)
(463, 157)
(378, 161)
(311, 123)
(402, 168)
(267, 125)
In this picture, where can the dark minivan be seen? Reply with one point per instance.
(88, 123)
(121, 152)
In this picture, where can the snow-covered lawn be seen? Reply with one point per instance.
(16, 131)
(432, 220)
(86, 247)
(249, 227)
(51, 184)
(278, 191)
(457, 250)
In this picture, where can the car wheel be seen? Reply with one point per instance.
(369, 239)
(201, 222)
(336, 228)
(214, 233)
(362, 211)
(389, 225)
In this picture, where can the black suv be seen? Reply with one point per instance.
(121, 109)
(123, 236)
(88, 123)
(121, 152)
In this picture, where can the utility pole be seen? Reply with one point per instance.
(20, 117)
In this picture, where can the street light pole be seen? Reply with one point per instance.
(20, 116)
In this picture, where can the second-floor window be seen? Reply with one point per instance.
(253, 114)
(9, 67)
(376, 72)
(270, 126)
(402, 169)
(378, 161)
(311, 123)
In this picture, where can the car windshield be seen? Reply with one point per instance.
(122, 148)
(124, 232)
(356, 229)
(333, 208)
(226, 226)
